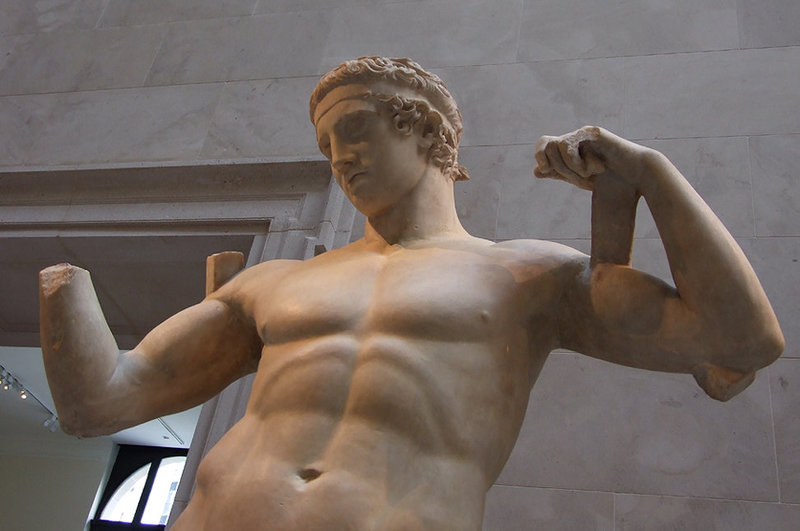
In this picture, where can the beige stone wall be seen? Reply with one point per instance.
(47, 493)
(712, 83)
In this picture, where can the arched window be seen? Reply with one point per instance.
(140, 489)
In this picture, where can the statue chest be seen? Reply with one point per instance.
(443, 296)
(416, 341)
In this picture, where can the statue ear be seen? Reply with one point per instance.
(426, 135)
(402, 126)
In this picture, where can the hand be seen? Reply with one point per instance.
(580, 156)
(610, 167)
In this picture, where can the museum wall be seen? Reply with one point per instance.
(711, 83)
(47, 493)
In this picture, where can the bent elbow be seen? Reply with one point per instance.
(85, 421)
(768, 346)
(721, 383)
(76, 429)
(86, 430)
(774, 345)
(72, 423)
(725, 380)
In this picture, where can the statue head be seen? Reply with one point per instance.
(416, 100)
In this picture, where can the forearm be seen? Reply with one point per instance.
(80, 353)
(613, 220)
(714, 280)
(717, 324)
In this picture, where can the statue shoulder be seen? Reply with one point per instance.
(252, 281)
(543, 253)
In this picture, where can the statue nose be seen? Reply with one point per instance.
(342, 159)
(341, 163)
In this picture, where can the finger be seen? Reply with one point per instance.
(586, 142)
(543, 141)
(541, 158)
(594, 164)
(553, 152)
(570, 154)
(549, 174)
(583, 184)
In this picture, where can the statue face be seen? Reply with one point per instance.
(375, 163)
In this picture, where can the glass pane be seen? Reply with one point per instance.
(122, 505)
(163, 493)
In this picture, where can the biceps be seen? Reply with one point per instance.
(631, 302)
(205, 342)
(628, 317)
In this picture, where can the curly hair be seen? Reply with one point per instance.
(435, 110)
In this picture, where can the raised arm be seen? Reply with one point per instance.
(181, 363)
(717, 324)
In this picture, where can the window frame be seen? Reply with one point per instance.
(130, 458)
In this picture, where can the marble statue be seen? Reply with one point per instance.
(392, 375)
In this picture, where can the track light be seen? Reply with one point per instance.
(8, 381)
(51, 423)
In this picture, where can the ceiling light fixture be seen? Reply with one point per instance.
(10, 382)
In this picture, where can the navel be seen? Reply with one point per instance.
(309, 474)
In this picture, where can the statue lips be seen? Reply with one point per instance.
(350, 179)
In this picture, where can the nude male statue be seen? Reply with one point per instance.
(392, 375)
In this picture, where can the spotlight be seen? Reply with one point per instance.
(8, 381)
(51, 423)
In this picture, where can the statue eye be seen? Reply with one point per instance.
(354, 127)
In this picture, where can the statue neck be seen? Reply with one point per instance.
(427, 213)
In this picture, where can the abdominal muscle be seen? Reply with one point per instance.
(343, 433)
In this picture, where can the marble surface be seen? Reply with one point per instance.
(777, 263)
(719, 170)
(6, 46)
(517, 103)
(513, 508)
(537, 208)
(25, 16)
(57, 62)
(457, 32)
(660, 513)
(259, 47)
(776, 187)
(277, 6)
(784, 379)
(592, 426)
(764, 23)
(263, 118)
(123, 125)
(477, 200)
(139, 12)
(729, 93)
(24, 118)
(559, 29)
